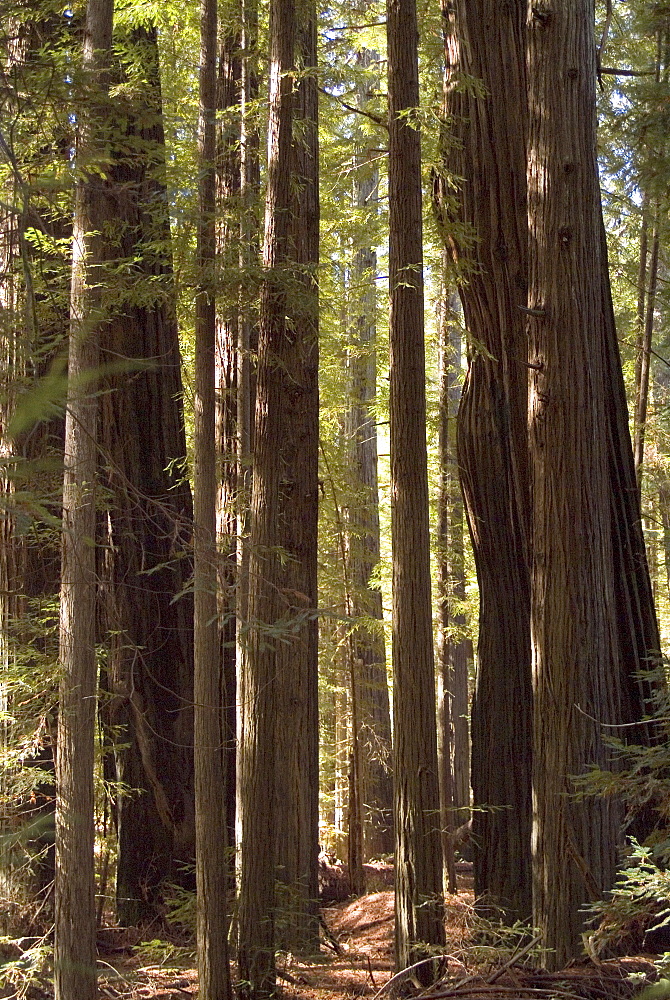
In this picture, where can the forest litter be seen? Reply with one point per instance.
(356, 959)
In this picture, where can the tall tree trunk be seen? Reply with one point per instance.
(485, 41)
(209, 730)
(74, 941)
(297, 740)
(247, 341)
(374, 735)
(145, 564)
(229, 367)
(619, 604)
(576, 667)
(33, 321)
(643, 365)
(419, 905)
(260, 697)
(452, 650)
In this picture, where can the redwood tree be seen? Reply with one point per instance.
(592, 621)
(418, 861)
(296, 807)
(259, 705)
(74, 941)
(145, 563)
(368, 672)
(485, 41)
(209, 736)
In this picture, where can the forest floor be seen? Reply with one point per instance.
(480, 962)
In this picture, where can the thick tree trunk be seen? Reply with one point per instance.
(145, 563)
(419, 904)
(614, 610)
(297, 774)
(260, 696)
(576, 666)
(485, 41)
(74, 940)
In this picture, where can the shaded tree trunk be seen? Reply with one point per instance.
(230, 350)
(576, 667)
(297, 740)
(452, 650)
(74, 939)
(208, 693)
(33, 325)
(260, 697)
(247, 339)
(146, 563)
(485, 41)
(419, 904)
(645, 336)
(614, 610)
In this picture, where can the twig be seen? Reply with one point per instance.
(358, 111)
(514, 959)
(615, 71)
(405, 974)
(372, 978)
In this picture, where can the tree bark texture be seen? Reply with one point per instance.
(453, 741)
(643, 365)
(576, 668)
(230, 360)
(296, 807)
(488, 237)
(247, 339)
(208, 694)
(74, 941)
(419, 905)
(590, 578)
(33, 322)
(146, 562)
(363, 544)
(258, 783)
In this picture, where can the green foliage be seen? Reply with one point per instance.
(24, 967)
(638, 904)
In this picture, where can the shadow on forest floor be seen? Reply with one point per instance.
(476, 966)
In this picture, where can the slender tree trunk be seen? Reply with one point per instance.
(485, 41)
(419, 905)
(363, 545)
(229, 369)
(643, 366)
(258, 774)
(638, 637)
(452, 651)
(646, 300)
(74, 942)
(210, 736)
(576, 668)
(247, 342)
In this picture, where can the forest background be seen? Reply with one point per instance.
(249, 518)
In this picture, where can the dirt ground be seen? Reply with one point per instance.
(362, 930)
(357, 960)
